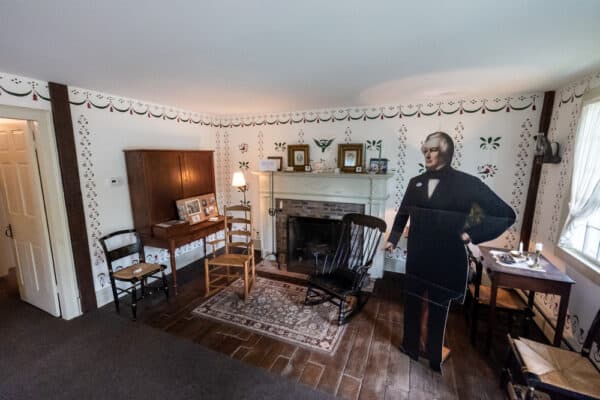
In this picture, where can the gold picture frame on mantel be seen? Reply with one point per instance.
(298, 156)
(350, 157)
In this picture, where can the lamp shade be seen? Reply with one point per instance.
(239, 179)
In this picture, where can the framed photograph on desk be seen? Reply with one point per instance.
(198, 208)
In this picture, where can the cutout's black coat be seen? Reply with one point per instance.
(460, 203)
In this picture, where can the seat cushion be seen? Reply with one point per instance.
(561, 368)
(137, 271)
(505, 298)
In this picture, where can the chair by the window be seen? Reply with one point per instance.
(340, 277)
(137, 274)
(561, 373)
(478, 297)
(238, 253)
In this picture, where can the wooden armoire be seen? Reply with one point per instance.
(157, 179)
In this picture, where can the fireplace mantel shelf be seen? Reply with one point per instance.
(326, 175)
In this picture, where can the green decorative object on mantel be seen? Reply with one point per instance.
(323, 144)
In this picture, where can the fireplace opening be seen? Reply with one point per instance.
(307, 238)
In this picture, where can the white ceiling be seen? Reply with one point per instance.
(273, 55)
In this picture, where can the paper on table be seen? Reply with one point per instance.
(521, 265)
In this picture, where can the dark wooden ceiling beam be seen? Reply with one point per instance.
(69, 170)
(536, 172)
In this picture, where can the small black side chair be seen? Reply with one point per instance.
(340, 277)
(136, 274)
(561, 373)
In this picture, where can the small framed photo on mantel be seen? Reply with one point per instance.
(278, 162)
(378, 165)
(298, 156)
(350, 157)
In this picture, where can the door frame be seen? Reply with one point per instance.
(54, 203)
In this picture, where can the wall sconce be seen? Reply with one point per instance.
(547, 150)
(239, 181)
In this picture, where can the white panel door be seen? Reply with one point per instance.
(7, 260)
(20, 184)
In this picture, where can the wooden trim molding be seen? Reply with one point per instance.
(69, 170)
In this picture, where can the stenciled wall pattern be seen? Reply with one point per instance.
(493, 141)
(553, 195)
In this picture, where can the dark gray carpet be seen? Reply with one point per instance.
(103, 356)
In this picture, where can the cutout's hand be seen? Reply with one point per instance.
(389, 247)
(465, 238)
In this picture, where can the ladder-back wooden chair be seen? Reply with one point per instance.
(136, 274)
(238, 253)
(561, 373)
(341, 276)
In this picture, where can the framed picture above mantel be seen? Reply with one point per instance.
(350, 157)
(298, 156)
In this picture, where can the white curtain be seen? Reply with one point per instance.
(585, 184)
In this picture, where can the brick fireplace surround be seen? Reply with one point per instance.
(318, 195)
(308, 208)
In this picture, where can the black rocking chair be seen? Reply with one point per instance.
(341, 276)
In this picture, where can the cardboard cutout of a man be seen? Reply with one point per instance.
(447, 210)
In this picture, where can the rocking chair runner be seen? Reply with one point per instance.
(340, 277)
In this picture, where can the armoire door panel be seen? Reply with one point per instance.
(163, 175)
(198, 174)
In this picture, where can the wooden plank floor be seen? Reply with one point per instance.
(367, 363)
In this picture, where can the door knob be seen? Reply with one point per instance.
(8, 231)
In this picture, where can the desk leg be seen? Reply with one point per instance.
(528, 318)
(173, 264)
(492, 315)
(562, 316)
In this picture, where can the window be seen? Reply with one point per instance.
(581, 232)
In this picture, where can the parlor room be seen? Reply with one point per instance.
(300, 200)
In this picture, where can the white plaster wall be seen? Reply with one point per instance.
(102, 132)
(104, 126)
(551, 206)
(402, 138)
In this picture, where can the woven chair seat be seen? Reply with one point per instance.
(560, 368)
(137, 271)
(505, 298)
(230, 259)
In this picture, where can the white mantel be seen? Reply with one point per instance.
(367, 189)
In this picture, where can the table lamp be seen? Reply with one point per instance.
(239, 181)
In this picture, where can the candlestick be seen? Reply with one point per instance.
(520, 247)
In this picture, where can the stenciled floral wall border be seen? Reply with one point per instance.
(418, 110)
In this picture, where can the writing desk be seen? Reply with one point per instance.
(195, 232)
(551, 280)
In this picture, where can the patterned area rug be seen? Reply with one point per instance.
(276, 309)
